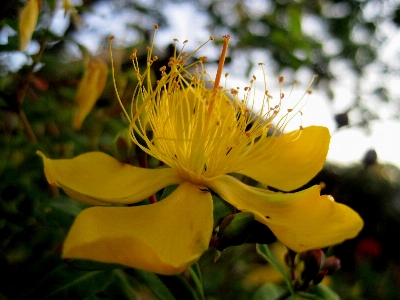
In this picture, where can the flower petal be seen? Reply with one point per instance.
(98, 179)
(165, 237)
(302, 221)
(295, 163)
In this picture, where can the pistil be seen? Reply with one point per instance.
(218, 75)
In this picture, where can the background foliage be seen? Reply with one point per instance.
(38, 90)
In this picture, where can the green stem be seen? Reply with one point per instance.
(196, 275)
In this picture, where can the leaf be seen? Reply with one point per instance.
(265, 252)
(155, 284)
(121, 288)
(294, 13)
(321, 292)
(269, 291)
(168, 191)
(90, 265)
(61, 282)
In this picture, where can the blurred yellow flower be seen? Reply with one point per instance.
(27, 22)
(202, 135)
(90, 88)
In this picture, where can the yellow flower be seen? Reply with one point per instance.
(202, 135)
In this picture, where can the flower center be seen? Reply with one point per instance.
(200, 132)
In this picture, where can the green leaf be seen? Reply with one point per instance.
(265, 252)
(90, 265)
(320, 292)
(154, 283)
(196, 275)
(168, 191)
(58, 281)
(269, 291)
(121, 288)
(294, 13)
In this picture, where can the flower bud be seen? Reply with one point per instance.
(240, 228)
(27, 22)
(90, 88)
(124, 149)
(234, 230)
(331, 264)
(313, 261)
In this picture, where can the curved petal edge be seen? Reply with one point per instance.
(302, 221)
(165, 237)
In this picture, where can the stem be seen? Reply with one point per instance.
(28, 129)
(22, 92)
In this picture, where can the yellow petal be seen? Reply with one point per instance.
(294, 163)
(97, 178)
(165, 237)
(90, 88)
(27, 22)
(302, 221)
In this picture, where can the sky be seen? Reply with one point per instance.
(348, 145)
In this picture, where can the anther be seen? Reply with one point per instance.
(111, 38)
(176, 40)
(211, 38)
(281, 79)
(226, 74)
(163, 68)
(155, 26)
(185, 41)
(254, 77)
(155, 58)
(309, 92)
